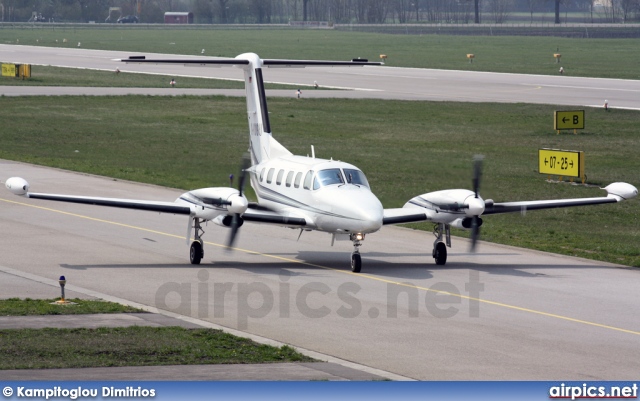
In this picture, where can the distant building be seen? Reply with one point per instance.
(178, 18)
(602, 3)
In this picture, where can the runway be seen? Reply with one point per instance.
(502, 313)
(385, 82)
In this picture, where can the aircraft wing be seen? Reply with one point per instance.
(433, 205)
(153, 206)
(509, 207)
(405, 215)
(19, 186)
(616, 192)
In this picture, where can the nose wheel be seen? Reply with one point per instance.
(356, 260)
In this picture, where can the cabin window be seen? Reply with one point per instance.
(296, 183)
(289, 178)
(356, 177)
(270, 175)
(326, 177)
(307, 179)
(280, 175)
(262, 174)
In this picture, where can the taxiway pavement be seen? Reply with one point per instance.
(501, 314)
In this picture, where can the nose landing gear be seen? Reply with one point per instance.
(356, 260)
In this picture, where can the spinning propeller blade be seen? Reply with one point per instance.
(475, 232)
(236, 220)
(477, 173)
(475, 222)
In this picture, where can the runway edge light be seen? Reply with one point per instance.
(62, 300)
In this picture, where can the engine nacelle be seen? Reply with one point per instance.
(17, 185)
(210, 203)
(450, 201)
(465, 223)
(225, 221)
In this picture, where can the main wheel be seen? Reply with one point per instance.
(440, 253)
(196, 253)
(356, 262)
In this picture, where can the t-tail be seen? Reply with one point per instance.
(262, 144)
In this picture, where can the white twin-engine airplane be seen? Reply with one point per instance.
(309, 193)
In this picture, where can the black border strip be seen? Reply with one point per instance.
(266, 126)
(404, 219)
(289, 221)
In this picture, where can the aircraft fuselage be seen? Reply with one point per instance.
(331, 195)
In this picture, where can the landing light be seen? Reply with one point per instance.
(357, 236)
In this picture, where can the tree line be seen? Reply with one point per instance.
(332, 11)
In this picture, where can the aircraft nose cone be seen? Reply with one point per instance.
(353, 210)
(371, 219)
(476, 206)
(367, 212)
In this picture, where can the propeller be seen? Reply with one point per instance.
(236, 220)
(475, 219)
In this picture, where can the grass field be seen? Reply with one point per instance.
(30, 307)
(405, 148)
(132, 346)
(127, 346)
(607, 58)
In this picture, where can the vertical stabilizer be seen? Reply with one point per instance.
(262, 144)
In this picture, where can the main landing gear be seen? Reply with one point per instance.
(356, 260)
(196, 252)
(439, 248)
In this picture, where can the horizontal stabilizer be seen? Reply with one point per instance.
(317, 63)
(144, 60)
(244, 61)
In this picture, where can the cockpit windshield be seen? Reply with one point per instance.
(334, 176)
(355, 177)
(328, 177)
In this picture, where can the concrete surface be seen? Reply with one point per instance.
(226, 372)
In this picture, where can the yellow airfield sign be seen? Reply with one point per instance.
(9, 70)
(568, 120)
(564, 163)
